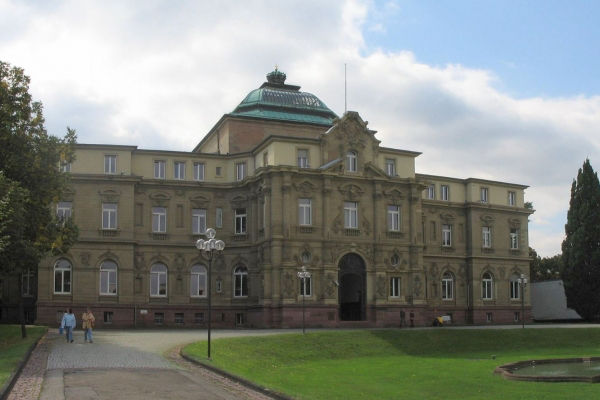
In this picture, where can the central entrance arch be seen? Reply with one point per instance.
(352, 291)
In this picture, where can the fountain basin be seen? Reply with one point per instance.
(585, 369)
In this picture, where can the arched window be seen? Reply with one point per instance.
(306, 257)
(108, 278)
(447, 286)
(158, 280)
(240, 282)
(486, 286)
(515, 289)
(62, 277)
(351, 158)
(198, 281)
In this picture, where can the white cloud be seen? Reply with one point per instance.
(159, 75)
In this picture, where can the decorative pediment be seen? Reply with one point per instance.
(239, 260)
(447, 217)
(394, 195)
(160, 198)
(108, 255)
(199, 201)
(240, 200)
(68, 194)
(352, 130)
(514, 223)
(351, 191)
(305, 187)
(487, 219)
(109, 195)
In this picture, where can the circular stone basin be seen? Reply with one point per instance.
(585, 369)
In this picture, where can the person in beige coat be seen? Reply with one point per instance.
(88, 324)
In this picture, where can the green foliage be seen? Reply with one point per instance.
(30, 179)
(546, 268)
(402, 364)
(581, 247)
(13, 347)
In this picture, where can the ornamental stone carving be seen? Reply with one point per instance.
(381, 286)
(159, 198)
(306, 187)
(288, 285)
(85, 258)
(351, 192)
(199, 201)
(109, 195)
(417, 286)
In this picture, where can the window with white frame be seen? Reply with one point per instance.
(395, 286)
(431, 192)
(240, 221)
(240, 171)
(159, 169)
(515, 289)
(63, 210)
(109, 216)
(198, 171)
(159, 219)
(304, 212)
(27, 283)
(446, 235)
(445, 192)
(487, 283)
(512, 198)
(483, 194)
(514, 239)
(198, 221)
(303, 158)
(110, 164)
(62, 277)
(393, 217)
(158, 280)
(240, 282)
(198, 281)
(447, 286)
(486, 237)
(351, 161)
(108, 278)
(65, 166)
(350, 215)
(306, 287)
(390, 166)
(179, 170)
(219, 217)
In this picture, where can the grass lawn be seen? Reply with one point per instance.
(13, 348)
(403, 364)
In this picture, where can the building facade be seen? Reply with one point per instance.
(286, 183)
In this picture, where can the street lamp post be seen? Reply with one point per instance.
(208, 248)
(522, 283)
(303, 275)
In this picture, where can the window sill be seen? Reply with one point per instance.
(305, 229)
(109, 232)
(159, 236)
(394, 235)
(240, 237)
(351, 232)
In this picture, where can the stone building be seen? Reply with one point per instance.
(286, 183)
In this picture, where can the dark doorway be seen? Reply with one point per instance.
(352, 279)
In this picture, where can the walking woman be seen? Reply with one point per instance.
(87, 324)
(68, 324)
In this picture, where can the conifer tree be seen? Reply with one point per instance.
(581, 247)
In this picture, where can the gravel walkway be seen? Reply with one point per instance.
(29, 383)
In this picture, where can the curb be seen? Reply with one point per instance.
(6, 389)
(235, 378)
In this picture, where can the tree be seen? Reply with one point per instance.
(546, 268)
(30, 180)
(581, 247)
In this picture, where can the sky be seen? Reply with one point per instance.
(503, 90)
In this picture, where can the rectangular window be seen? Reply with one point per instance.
(517, 316)
(514, 289)
(514, 239)
(179, 318)
(109, 216)
(445, 192)
(390, 167)
(486, 237)
(62, 280)
(395, 287)
(306, 287)
(489, 317)
(65, 166)
(240, 171)
(218, 171)
(431, 192)
(159, 219)
(159, 318)
(304, 212)
(446, 235)
(198, 171)
(179, 171)
(110, 164)
(198, 221)
(512, 198)
(240, 221)
(350, 215)
(198, 317)
(484, 195)
(393, 215)
(219, 217)
(108, 317)
(159, 169)
(303, 158)
(240, 319)
(63, 210)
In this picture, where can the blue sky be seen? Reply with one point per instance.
(502, 90)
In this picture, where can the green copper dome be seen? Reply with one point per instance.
(277, 101)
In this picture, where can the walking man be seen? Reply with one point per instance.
(88, 321)
(68, 323)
